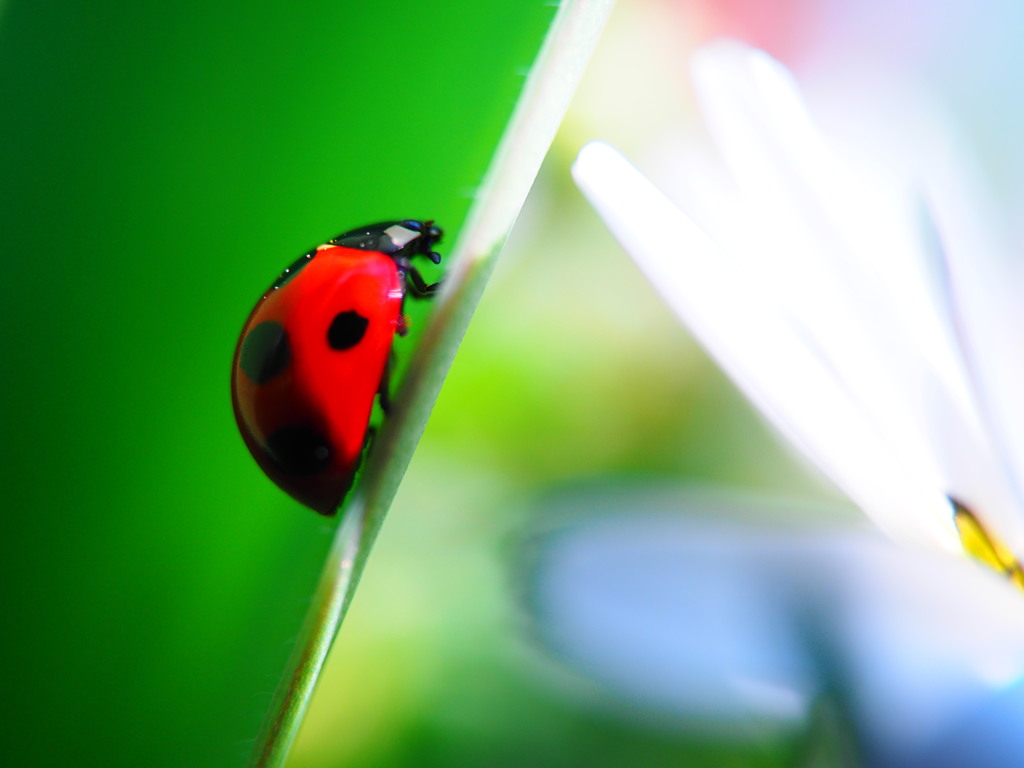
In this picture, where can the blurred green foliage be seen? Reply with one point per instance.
(160, 163)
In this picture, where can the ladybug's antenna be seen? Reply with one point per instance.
(431, 235)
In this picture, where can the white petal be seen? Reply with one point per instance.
(739, 326)
(839, 245)
(985, 290)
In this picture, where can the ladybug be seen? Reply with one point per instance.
(316, 352)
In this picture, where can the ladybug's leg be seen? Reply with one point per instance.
(384, 390)
(419, 287)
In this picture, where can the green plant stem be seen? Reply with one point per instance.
(538, 113)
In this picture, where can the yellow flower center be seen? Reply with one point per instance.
(985, 547)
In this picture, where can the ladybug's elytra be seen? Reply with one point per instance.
(316, 351)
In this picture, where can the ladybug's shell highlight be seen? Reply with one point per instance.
(308, 366)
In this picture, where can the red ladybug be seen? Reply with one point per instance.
(316, 350)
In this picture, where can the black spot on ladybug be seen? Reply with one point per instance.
(265, 352)
(299, 450)
(347, 330)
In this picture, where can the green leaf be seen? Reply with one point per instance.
(539, 112)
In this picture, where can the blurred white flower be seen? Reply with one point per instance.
(869, 313)
(690, 613)
(869, 310)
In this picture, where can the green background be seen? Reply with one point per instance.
(160, 164)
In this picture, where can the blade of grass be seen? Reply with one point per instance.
(538, 113)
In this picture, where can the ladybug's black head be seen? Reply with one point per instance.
(432, 234)
(403, 239)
